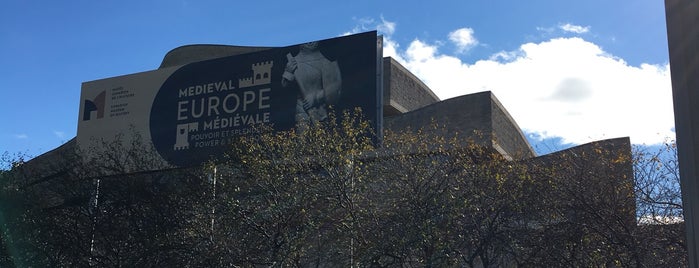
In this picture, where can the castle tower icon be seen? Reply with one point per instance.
(182, 136)
(261, 74)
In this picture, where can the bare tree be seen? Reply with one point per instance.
(329, 196)
(659, 205)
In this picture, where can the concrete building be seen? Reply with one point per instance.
(408, 104)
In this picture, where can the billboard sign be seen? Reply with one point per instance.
(194, 112)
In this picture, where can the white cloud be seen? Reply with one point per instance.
(386, 27)
(368, 24)
(390, 49)
(574, 28)
(21, 136)
(59, 134)
(505, 56)
(463, 38)
(545, 29)
(567, 88)
(563, 87)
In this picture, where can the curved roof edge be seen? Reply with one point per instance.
(408, 73)
(199, 52)
(52, 162)
(620, 142)
(479, 117)
(529, 150)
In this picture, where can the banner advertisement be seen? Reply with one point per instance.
(193, 113)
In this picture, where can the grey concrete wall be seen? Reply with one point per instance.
(403, 91)
(467, 116)
(506, 133)
(593, 170)
(479, 117)
(49, 164)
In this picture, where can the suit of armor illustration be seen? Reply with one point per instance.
(319, 81)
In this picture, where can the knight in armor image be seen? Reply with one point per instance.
(318, 79)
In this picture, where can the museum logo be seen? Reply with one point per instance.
(94, 109)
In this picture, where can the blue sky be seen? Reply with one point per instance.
(569, 72)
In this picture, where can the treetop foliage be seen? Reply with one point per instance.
(327, 195)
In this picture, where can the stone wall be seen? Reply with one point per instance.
(403, 91)
(507, 134)
(479, 117)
